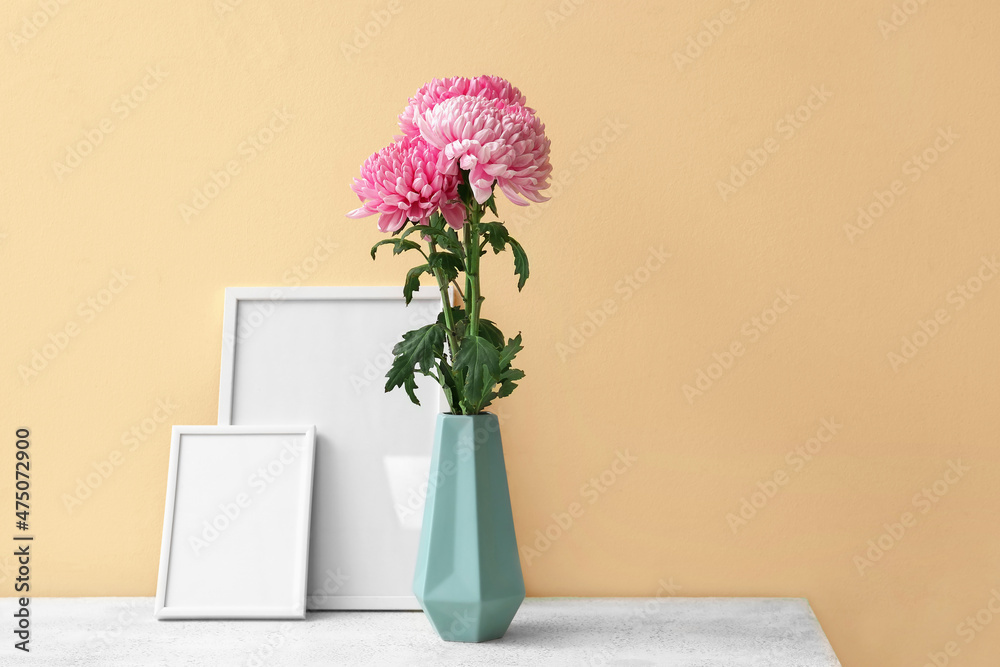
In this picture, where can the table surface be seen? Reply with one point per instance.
(681, 632)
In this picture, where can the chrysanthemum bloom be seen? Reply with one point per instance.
(492, 140)
(438, 90)
(404, 181)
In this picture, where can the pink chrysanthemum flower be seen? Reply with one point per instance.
(404, 181)
(438, 90)
(492, 140)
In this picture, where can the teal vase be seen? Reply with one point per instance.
(468, 578)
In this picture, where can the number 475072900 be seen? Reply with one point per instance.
(22, 481)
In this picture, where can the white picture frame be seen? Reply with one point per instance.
(319, 355)
(236, 523)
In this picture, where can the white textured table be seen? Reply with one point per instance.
(681, 632)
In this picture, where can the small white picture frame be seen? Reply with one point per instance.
(236, 523)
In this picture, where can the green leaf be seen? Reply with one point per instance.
(423, 229)
(402, 245)
(446, 238)
(512, 347)
(506, 389)
(512, 374)
(419, 348)
(422, 346)
(457, 313)
(508, 382)
(450, 388)
(436, 220)
(488, 395)
(449, 263)
(461, 325)
(401, 375)
(492, 204)
(412, 282)
(453, 243)
(398, 246)
(520, 262)
(410, 384)
(508, 375)
(496, 234)
(458, 317)
(480, 362)
(491, 333)
(465, 190)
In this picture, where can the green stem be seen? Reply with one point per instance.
(452, 400)
(466, 235)
(449, 321)
(472, 253)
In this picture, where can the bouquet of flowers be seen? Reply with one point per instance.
(462, 139)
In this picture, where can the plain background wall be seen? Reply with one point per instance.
(645, 124)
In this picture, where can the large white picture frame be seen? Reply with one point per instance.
(319, 355)
(236, 522)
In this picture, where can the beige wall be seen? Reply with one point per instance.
(642, 136)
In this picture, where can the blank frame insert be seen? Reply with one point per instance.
(318, 355)
(236, 522)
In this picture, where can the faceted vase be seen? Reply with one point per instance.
(468, 578)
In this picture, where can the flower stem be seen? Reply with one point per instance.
(472, 251)
(449, 325)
